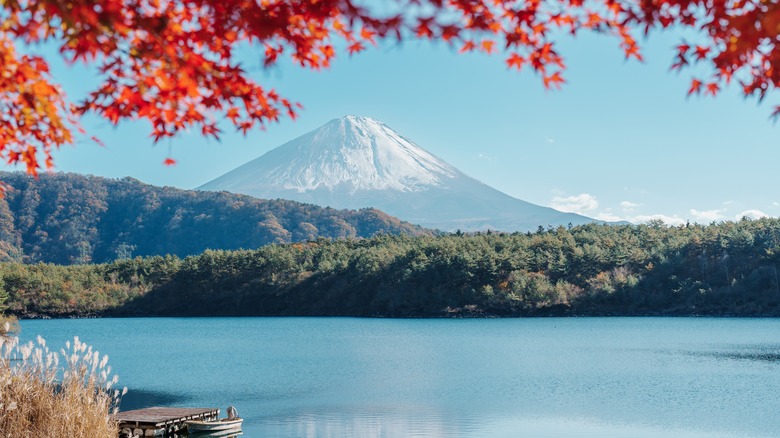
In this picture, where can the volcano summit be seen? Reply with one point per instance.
(356, 162)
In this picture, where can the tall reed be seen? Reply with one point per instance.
(49, 394)
(9, 326)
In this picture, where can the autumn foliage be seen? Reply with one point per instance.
(174, 62)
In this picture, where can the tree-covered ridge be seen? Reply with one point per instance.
(76, 219)
(721, 269)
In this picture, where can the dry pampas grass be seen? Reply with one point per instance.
(50, 394)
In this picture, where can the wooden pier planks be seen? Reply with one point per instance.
(163, 418)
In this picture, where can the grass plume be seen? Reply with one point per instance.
(56, 394)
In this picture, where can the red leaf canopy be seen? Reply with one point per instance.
(173, 62)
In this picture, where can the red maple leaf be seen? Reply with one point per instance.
(174, 63)
(515, 61)
(695, 87)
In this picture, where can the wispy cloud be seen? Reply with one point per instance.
(588, 205)
(629, 204)
(707, 216)
(704, 217)
(668, 220)
(752, 214)
(582, 203)
(641, 218)
(608, 216)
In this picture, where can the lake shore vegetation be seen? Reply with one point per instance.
(722, 269)
(46, 394)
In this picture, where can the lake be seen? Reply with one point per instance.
(546, 377)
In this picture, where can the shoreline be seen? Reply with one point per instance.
(32, 317)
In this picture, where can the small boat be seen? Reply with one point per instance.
(224, 424)
(223, 434)
(230, 424)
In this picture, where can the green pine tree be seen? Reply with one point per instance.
(3, 296)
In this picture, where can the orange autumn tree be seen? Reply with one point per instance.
(173, 62)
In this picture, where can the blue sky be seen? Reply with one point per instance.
(620, 141)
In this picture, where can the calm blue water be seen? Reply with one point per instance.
(344, 377)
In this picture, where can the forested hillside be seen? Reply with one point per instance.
(723, 269)
(76, 219)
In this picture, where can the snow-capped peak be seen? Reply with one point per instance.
(352, 153)
(357, 162)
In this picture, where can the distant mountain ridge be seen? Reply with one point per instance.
(71, 218)
(357, 162)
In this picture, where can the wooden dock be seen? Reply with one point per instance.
(161, 421)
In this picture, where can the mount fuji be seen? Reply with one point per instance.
(356, 162)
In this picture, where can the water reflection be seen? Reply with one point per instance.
(345, 377)
(161, 433)
(227, 434)
(420, 424)
(184, 434)
(378, 422)
(146, 398)
(763, 357)
(758, 353)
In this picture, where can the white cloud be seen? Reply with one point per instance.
(776, 204)
(608, 216)
(707, 216)
(752, 214)
(628, 205)
(581, 203)
(668, 220)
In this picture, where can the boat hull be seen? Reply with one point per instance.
(214, 426)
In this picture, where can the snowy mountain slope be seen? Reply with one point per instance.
(358, 152)
(356, 162)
